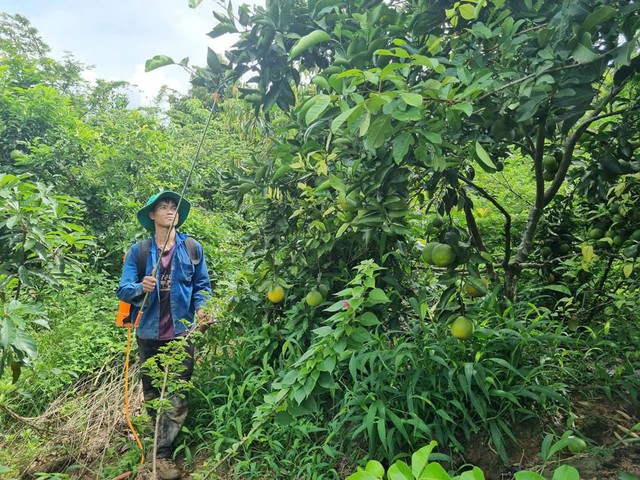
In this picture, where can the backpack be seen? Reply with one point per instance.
(123, 317)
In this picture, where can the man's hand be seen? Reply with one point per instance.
(148, 284)
(204, 320)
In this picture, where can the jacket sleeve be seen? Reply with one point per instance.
(130, 290)
(201, 282)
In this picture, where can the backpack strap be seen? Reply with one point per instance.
(192, 248)
(144, 247)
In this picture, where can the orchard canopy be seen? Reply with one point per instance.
(390, 114)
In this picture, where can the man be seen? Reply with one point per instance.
(177, 294)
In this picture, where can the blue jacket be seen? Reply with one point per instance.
(190, 288)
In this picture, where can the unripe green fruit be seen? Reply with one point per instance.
(576, 445)
(15, 154)
(596, 233)
(437, 222)
(442, 255)
(427, 251)
(462, 328)
(550, 164)
(618, 240)
(314, 298)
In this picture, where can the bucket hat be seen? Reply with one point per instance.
(143, 213)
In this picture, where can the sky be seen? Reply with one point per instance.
(118, 36)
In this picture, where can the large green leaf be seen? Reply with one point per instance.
(319, 105)
(213, 62)
(157, 62)
(378, 132)
(308, 41)
(601, 15)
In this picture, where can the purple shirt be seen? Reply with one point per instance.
(166, 330)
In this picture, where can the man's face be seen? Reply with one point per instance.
(162, 214)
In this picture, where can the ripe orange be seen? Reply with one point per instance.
(314, 298)
(276, 294)
(462, 328)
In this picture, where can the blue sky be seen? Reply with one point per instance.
(118, 36)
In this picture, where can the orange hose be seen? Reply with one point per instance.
(126, 396)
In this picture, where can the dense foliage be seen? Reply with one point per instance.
(420, 219)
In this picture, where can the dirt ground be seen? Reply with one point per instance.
(605, 425)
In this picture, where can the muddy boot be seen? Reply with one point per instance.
(167, 470)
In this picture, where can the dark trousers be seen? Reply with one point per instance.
(172, 419)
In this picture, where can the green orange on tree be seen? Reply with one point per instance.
(427, 251)
(462, 328)
(442, 255)
(314, 298)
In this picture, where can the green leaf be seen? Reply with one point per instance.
(157, 62)
(375, 467)
(378, 132)
(340, 119)
(566, 472)
(213, 62)
(627, 476)
(627, 270)
(308, 41)
(483, 158)
(401, 146)
(467, 11)
(527, 475)
(377, 295)
(464, 107)
(475, 474)
(414, 99)
(558, 288)
(399, 471)
(601, 15)
(320, 104)
(420, 459)
(368, 319)
(362, 475)
(281, 172)
(221, 29)
(434, 471)
(583, 53)
(194, 3)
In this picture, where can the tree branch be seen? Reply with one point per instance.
(571, 142)
(475, 231)
(507, 217)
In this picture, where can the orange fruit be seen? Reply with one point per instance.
(314, 298)
(462, 328)
(276, 294)
(576, 445)
(442, 255)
